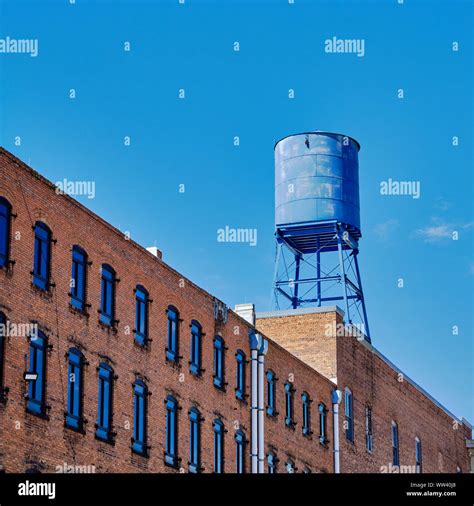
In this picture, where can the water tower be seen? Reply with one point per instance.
(317, 221)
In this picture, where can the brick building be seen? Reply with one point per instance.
(133, 368)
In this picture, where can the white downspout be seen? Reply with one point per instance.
(254, 341)
(261, 404)
(336, 399)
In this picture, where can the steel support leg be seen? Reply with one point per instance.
(297, 279)
(347, 317)
(366, 321)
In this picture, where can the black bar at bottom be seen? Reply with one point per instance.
(211, 489)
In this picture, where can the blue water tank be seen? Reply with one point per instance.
(317, 180)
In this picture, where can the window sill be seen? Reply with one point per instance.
(171, 461)
(108, 437)
(39, 414)
(80, 312)
(45, 293)
(110, 329)
(139, 449)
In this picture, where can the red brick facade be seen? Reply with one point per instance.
(45, 443)
(374, 382)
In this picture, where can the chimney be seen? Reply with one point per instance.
(155, 252)
(247, 312)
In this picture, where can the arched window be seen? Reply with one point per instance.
(289, 421)
(218, 427)
(36, 375)
(395, 452)
(171, 457)
(78, 278)
(3, 335)
(240, 380)
(194, 441)
(272, 462)
(240, 452)
(219, 348)
(271, 393)
(306, 413)
(195, 359)
(74, 418)
(172, 350)
(5, 224)
(107, 299)
(348, 412)
(141, 315)
(139, 441)
(104, 414)
(322, 423)
(42, 256)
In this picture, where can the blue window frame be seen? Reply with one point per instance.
(240, 452)
(171, 457)
(369, 438)
(395, 452)
(418, 455)
(194, 441)
(3, 333)
(196, 338)
(42, 256)
(104, 414)
(36, 401)
(219, 348)
(322, 423)
(5, 224)
(78, 278)
(271, 393)
(141, 315)
(139, 440)
(272, 463)
(218, 427)
(107, 296)
(74, 419)
(290, 466)
(240, 388)
(306, 414)
(172, 350)
(349, 417)
(289, 421)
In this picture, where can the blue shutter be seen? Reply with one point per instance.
(104, 418)
(139, 418)
(36, 388)
(5, 219)
(195, 362)
(42, 256)
(173, 335)
(171, 458)
(107, 302)
(218, 446)
(141, 315)
(74, 404)
(78, 275)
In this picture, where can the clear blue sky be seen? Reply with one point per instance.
(245, 94)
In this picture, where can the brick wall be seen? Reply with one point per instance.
(308, 336)
(394, 398)
(47, 443)
(305, 451)
(375, 382)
